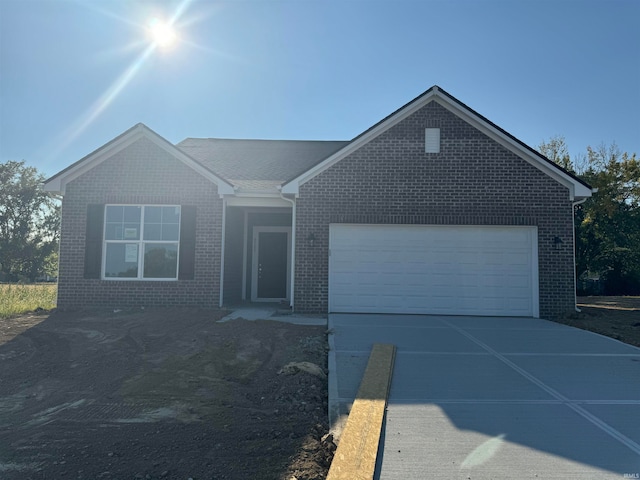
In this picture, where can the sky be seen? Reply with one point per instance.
(76, 73)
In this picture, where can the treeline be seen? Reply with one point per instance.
(29, 225)
(607, 225)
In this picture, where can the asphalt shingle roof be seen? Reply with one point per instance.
(258, 165)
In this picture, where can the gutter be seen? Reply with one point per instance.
(222, 245)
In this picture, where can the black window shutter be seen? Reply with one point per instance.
(93, 241)
(187, 242)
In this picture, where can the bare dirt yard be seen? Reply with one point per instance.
(615, 317)
(172, 394)
(161, 394)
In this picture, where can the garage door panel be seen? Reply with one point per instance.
(429, 269)
(418, 280)
(468, 281)
(416, 268)
(494, 280)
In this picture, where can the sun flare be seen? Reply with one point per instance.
(162, 34)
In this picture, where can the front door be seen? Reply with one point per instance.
(270, 264)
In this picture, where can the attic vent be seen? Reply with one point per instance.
(432, 140)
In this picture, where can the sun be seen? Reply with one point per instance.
(162, 33)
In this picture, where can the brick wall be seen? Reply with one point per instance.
(142, 173)
(472, 181)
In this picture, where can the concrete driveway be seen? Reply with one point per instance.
(492, 398)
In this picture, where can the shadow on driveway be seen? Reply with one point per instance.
(496, 397)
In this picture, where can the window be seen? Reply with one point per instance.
(432, 140)
(141, 242)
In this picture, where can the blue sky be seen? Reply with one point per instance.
(73, 74)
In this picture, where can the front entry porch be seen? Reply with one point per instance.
(257, 254)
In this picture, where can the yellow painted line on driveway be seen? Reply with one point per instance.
(355, 457)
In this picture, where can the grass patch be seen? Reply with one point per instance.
(18, 299)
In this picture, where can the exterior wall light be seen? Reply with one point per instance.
(311, 238)
(557, 241)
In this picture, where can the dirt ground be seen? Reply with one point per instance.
(161, 394)
(172, 394)
(616, 317)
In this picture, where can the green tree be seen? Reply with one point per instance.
(556, 150)
(607, 224)
(29, 224)
(610, 223)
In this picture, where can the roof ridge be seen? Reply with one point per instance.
(263, 140)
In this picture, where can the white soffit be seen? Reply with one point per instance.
(293, 186)
(256, 201)
(58, 182)
(576, 189)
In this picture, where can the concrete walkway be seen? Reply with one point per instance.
(493, 398)
(267, 311)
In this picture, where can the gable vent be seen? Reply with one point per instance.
(432, 140)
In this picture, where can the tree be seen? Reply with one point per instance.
(611, 219)
(607, 224)
(556, 150)
(29, 224)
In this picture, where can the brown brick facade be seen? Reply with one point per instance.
(472, 181)
(145, 174)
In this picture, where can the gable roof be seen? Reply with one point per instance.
(58, 182)
(578, 188)
(272, 167)
(258, 165)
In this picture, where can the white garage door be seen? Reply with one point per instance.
(451, 270)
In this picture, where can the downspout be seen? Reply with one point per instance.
(245, 237)
(224, 229)
(293, 248)
(573, 231)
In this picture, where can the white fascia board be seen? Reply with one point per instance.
(94, 159)
(292, 187)
(582, 192)
(576, 189)
(257, 201)
(54, 185)
(58, 183)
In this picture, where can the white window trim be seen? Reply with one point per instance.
(140, 243)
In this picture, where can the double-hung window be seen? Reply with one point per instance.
(141, 242)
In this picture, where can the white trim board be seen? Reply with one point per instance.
(576, 189)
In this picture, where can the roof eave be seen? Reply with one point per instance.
(58, 182)
(581, 192)
(577, 188)
(293, 186)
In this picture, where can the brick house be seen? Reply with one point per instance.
(433, 210)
